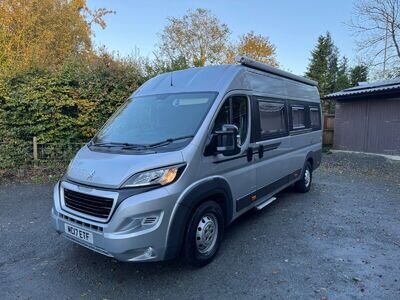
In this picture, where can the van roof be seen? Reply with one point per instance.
(210, 79)
(224, 78)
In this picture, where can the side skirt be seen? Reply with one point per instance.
(269, 189)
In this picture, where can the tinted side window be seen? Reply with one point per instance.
(234, 111)
(298, 117)
(272, 119)
(315, 118)
(223, 116)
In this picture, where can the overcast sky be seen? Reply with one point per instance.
(293, 26)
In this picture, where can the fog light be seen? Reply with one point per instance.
(142, 254)
(149, 253)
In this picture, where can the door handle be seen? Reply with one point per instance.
(261, 151)
(250, 154)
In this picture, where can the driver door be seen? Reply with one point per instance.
(238, 169)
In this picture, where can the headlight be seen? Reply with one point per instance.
(162, 176)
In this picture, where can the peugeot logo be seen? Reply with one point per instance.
(90, 176)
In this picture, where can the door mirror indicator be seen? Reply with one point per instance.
(227, 140)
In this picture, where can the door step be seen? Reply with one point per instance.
(264, 204)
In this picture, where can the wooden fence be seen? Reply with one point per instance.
(54, 151)
(329, 125)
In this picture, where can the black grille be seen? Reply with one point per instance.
(96, 206)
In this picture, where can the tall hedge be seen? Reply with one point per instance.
(61, 106)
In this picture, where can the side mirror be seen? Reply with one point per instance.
(227, 140)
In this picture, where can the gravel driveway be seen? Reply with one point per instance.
(341, 240)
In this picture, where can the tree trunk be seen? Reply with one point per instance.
(393, 34)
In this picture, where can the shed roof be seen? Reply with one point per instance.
(366, 89)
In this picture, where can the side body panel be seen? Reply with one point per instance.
(279, 161)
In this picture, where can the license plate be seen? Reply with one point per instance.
(79, 233)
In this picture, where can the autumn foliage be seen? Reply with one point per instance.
(255, 46)
(199, 39)
(43, 33)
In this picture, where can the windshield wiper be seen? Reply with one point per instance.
(119, 145)
(129, 146)
(168, 141)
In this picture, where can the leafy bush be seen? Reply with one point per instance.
(14, 153)
(63, 106)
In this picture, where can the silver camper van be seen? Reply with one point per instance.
(189, 152)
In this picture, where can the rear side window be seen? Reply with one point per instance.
(298, 117)
(272, 119)
(315, 118)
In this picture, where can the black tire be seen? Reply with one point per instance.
(304, 185)
(208, 213)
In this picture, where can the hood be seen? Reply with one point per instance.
(111, 170)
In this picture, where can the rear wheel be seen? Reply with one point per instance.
(204, 234)
(304, 184)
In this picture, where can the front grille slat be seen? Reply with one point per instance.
(85, 211)
(89, 198)
(149, 220)
(87, 204)
(85, 207)
(96, 206)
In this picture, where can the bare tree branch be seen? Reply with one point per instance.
(376, 27)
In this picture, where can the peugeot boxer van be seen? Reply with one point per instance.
(189, 152)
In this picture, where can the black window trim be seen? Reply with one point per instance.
(318, 109)
(256, 128)
(307, 106)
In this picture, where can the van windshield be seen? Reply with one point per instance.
(153, 120)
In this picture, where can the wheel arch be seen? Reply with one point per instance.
(314, 157)
(216, 189)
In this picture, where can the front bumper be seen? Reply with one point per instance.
(124, 236)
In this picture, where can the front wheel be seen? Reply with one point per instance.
(304, 184)
(204, 234)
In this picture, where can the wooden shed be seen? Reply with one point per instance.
(367, 118)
